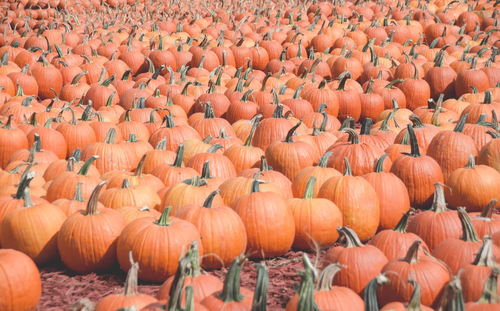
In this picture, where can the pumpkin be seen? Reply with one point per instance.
(394, 243)
(129, 297)
(355, 254)
(168, 238)
(320, 172)
(289, 156)
(489, 154)
(418, 172)
(268, 220)
(11, 140)
(362, 155)
(128, 195)
(323, 295)
(436, 224)
(430, 273)
(221, 167)
(394, 202)
(88, 239)
(33, 229)
(485, 222)
(20, 281)
(315, 220)
(245, 156)
(474, 275)
(222, 232)
(356, 199)
(485, 179)
(451, 149)
(230, 297)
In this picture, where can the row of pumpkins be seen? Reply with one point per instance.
(123, 144)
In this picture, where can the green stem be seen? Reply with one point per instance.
(401, 226)
(164, 218)
(324, 159)
(85, 167)
(379, 168)
(469, 233)
(231, 290)
(347, 170)
(179, 156)
(415, 150)
(370, 293)
(309, 191)
(259, 302)
(94, 199)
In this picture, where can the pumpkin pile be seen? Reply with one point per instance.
(138, 133)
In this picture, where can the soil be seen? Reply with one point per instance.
(61, 288)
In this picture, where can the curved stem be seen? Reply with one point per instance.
(415, 150)
(379, 167)
(309, 191)
(469, 233)
(210, 199)
(412, 254)
(370, 293)
(85, 167)
(351, 238)
(259, 302)
(324, 159)
(289, 135)
(164, 217)
(231, 290)
(93, 200)
(179, 156)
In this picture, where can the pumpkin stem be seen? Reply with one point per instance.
(471, 162)
(439, 202)
(348, 123)
(469, 233)
(179, 156)
(415, 150)
(415, 121)
(94, 197)
(231, 290)
(324, 159)
(164, 217)
(453, 298)
(175, 293)
(370, 294)
(110, 136)
(379, 167)
(485, 255)
(490, 291)
(459, 128)
(214, 148)
(138, 169)
(326, 276)
(353, 136)
(366, 126)
(131, 281)
(343, 81)
(278, 111)
(412, 254)
(487, 212)
(205, 170)
(259, 302)
(255, 186)
(78, 193)
(289, 135)
(24, 182)
(255, 123)
(352, 239)
(169, 123)
(347, 170)
(306, 288)
(309, 191)
(264, 166)
(125, 183)
(85, 167)
(401, 226)
(210, 199)
(415, 301)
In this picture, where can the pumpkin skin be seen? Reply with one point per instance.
(20, 282)
(431, 274)
(472, 187)
(11, 140)
(268, 221)
(87, 239)
(486, 222)
(438, 223)
(413, 303)
(418, 172)
(367, 259)
(320, 172)
(392, 194)
(315, 220)
(394, 243)
(167, 238)
(33, 230)
(130, 297)
(356, 199)
(221, 230)
(490, 153)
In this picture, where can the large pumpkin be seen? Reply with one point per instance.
(167, 240)
(20, 282)
(356, 199)
(87, 239)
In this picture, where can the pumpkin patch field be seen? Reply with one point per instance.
(249, 155)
